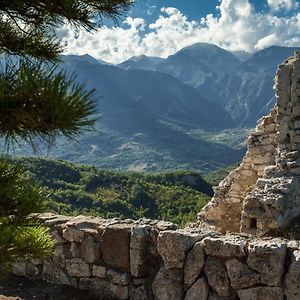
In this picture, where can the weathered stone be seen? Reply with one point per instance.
(163, 225)
(168, 285)
(117, 277)
(194, 264)
(32, 270)
(90, 249)
(75, 249)
(139, 250)
(240, 275)
(138, 293)
(115, 246)
(19, 268)
(104, 289)
(72, 235)
(268, 258)
(76, 267)
(217, 276)
(261, 293)
(173, 247)
(58, 239)
(292, 278)
(54, 274)
(228, 246)
(199, 290)
(99, 271)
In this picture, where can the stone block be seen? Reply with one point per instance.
(76, 267)
(194, 264)
(75, 249)
(138, 293)
(54, 274)
(167, 285)
(199, 290)
(225, 246)
(217, 276)
(99, 271)
(268, 259)
(263, 293)
(139, 250)
(118, 277)
(115, 246)
(72, 235)
(240, 275)
(292, 278)
(90, 249)
(173, 247)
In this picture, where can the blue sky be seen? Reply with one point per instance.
(162, 27)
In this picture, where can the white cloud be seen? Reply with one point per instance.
(237, 27)
(282, 4)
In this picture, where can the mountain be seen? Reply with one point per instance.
(243, 87)
(149, 121)
(141, 62)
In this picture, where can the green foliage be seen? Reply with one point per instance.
(20, 236)
(215, 177)
(77, 189)
(38, 101)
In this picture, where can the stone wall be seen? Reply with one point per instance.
(263, 194)
(153, 260)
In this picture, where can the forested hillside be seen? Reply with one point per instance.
(78, 189)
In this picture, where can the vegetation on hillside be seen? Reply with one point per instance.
(79, 189)
(38, 103)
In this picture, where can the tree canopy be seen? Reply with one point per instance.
(38, 102)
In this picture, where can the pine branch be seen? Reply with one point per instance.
(36, 102)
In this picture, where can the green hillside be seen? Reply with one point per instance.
(79, 189)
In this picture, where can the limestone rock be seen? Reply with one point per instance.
(217, 276)
(117, 277)
(194, 264)
(173, 247)
(268, 258)
(199, 290)
(90, 249)
(138, 293)
(240, 275)
(139, 250)
(261, 293)
(167, 285)
(54, 274)
(19, 268)
(225, 246)
(72, 235)
(115, 246)
(292, 279)
(99, 271)
(76, 267)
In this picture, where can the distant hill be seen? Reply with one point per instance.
(78, 189)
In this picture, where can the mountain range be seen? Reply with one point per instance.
(191, 110)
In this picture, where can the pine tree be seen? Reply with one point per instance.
(38, 103)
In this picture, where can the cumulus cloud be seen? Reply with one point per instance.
(237, 27)
(282, 4)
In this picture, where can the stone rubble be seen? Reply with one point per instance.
(262, 195)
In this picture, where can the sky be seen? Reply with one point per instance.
(162, 27)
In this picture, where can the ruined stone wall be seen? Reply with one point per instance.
(146, 259)
(263, 194)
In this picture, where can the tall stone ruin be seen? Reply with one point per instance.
(262, 195)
